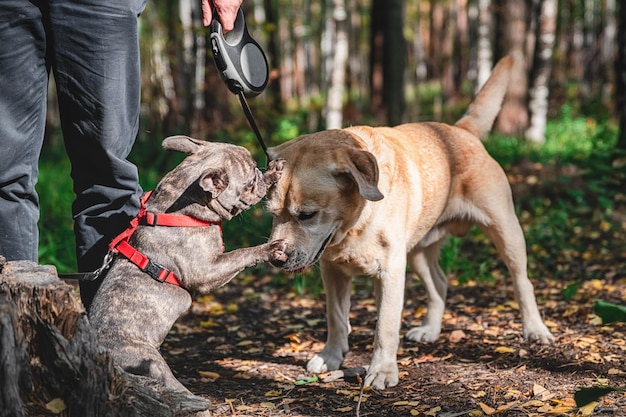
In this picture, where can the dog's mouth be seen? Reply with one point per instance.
(317, 256)
(227, 213)
(240, 208)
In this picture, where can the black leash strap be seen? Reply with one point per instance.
(255, 128)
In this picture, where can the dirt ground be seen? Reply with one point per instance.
(245, 347)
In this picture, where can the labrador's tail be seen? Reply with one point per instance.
(485, 107)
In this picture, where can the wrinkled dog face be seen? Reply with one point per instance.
(248, 188)
(228, 174)
(318, 197)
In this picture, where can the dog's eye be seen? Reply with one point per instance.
(307, 215)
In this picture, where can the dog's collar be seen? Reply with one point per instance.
(120, 243)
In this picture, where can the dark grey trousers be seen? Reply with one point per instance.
(92, 48)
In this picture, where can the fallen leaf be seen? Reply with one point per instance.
(561, 410)
(504, 349)
(433, 411)
(208, 374)
(344, 409)
(533, 403)
(243, 408)
(587, 409)
(307, 381)
(56, 406)
(540, 392)
(456, 336)
(486, 409)
(479, 394)
(544, 408)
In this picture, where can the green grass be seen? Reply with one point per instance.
(56, 236)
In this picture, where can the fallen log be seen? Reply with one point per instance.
(51, 363)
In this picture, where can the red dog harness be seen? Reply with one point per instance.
(120, 243)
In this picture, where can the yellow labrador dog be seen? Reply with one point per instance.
(364, 200)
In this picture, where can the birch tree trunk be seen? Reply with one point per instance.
(608, 50)
(334, 100)
(484, 55)
(186, 72)
(542, 68)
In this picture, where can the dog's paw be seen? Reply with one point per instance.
(424, 334)
(538, 334)
(277, 250)
(324, 362)
(274, 171)
(381, 377)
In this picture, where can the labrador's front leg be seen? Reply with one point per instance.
(389, 287)
(338, 287)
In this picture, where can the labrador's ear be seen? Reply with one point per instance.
(214, 181)
(361, 167)
(183, 144)
(278, 151)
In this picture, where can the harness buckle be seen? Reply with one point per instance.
(154, 270)
(154, 221)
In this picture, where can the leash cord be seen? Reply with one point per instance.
(248, 113)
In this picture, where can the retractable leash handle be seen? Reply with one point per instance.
(238, 57)
(241, 64)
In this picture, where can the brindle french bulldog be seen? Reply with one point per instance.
(132, 312)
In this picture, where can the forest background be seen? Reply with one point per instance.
(560, 136)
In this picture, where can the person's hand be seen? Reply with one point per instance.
(226, 9)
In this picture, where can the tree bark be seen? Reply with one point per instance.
(389, 54)
(377, 59)
(51, 364)
(620, 71)
(334, 100)
(513, 118)
(542, 69)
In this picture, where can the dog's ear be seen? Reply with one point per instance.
(214, 181)
(183, 144)
(272, 153)
(362, 167)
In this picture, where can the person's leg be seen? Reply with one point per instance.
(96, 68)
(23, 91)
